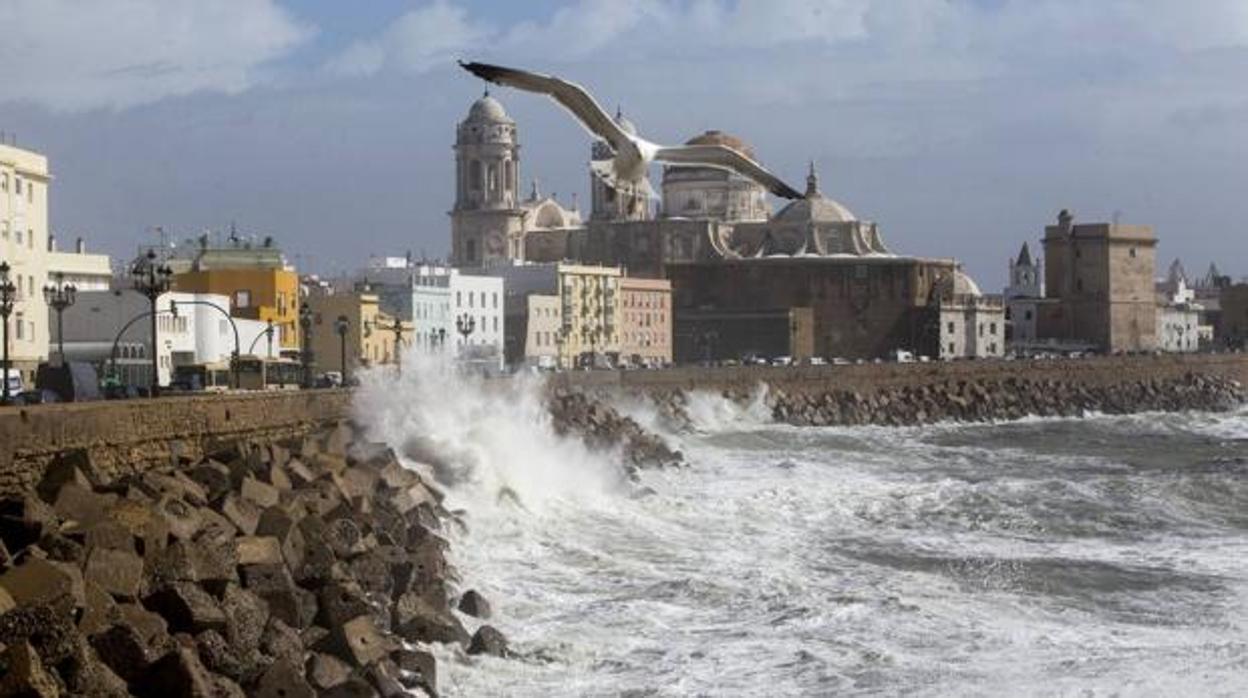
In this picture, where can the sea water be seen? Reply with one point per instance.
(1086, 557)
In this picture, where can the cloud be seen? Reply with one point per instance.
(71, 56)
(432, 34)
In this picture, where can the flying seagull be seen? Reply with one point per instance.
(633, 155)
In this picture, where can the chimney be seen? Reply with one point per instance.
(51, 242)
(80, 246)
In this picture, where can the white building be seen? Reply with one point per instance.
(1178, 314)
(441, 301)
(197, 334)
(972, 325)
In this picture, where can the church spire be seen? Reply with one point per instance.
(812, 182)
(535, 193)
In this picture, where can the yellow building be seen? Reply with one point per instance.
(370, 336)
(589, 305)
(256, 278)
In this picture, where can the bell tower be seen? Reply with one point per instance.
(487, 223)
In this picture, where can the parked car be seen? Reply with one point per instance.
(782, 361)
(14, 378)
(37, 397)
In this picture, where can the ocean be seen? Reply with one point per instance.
(1102, 556)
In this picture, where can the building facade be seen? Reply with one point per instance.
(645, 322)
(256, 279)
(971, 325)
(1022, 299)
(369, 339)
(1101, 276)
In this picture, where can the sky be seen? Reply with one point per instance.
(961, 126)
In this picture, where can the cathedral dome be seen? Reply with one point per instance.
(488, 109)
(815, 207)
(725, 139)
(959, 283)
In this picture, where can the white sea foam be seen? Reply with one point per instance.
(1043, 558)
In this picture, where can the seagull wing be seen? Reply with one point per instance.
(727, 159)
(571, 96)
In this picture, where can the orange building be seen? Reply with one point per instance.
(257, 280)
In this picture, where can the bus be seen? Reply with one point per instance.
(254, 373)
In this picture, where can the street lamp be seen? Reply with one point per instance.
(305, 354)
(8, 294)
(152, 280)
(60, 296)
(439, 337)
(341, 325)
(266, 332)
(397, 329)
(465, 324)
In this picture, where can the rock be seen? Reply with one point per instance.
(246, 617)
(274, 584)
(178, 674)
(418, 669)
(262, 495)
(86, 676)
(64, 469)
(100, 610)
(213, 477)
(353, 687)
(118, 572)
(183, 519)
(131, 645)
(384, 675)
(474, 604)
(38, 582)
(339, 602)
(148, 526)
(281, 641)
(418, 620)
(186, 608)
(363, 643)
(24, 520)
(241, 512)
(25, 675)
(283, 679)
(259, 550)
(488, 640)
(324, 671)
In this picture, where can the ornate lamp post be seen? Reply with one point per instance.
(266, 332)
(397, 329)
(60, 296)
(341, 325)
(439, 337)
(305, 353)
(465, 324)
(8, 294)
(152, 280)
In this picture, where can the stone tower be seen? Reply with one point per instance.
(487, 223)
(1025, 276)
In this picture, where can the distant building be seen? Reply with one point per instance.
(1179, 316)
(369, 339)
(971, 324)
(1022, 299)
(197, 334)
(1100, 276)
(27, 245)
(257, 280)
(1232, 329)
(645, 314)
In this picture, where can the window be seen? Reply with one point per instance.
(20, 323)
(474, 175)
(1132, 253)
(458, 300)
(30, 235)
(242, 299)
(17, 236)
(4, 229)
(951, 348)
(496, 299)
(496, 323)
(951, 330)
(17, 185)
(1027, 315)
(4, 182)
(992, 329)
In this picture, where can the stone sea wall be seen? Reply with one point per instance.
(285, 567)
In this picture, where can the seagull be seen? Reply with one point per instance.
(627, 170)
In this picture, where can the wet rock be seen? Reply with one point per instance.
(118, 572)
(488, 640)
(283, 679)
(474, 604)
(186, 608)
(25, 675)
(324, 671)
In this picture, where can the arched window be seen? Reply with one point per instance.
(470, 250)
(510, 169)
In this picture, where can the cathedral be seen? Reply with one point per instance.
(705, 213)
(818, 276)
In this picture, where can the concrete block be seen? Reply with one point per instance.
(363, 641)
(418, 620)
(178, 674)
(183, 518)
(49, 629)
(78, 503)
(279, 478)
(282, 642)
(261, 494)
(148, 525)
(283, 679)
(119, 572)
(246, 616)
(100, 610)
(37, 582)
(130, 646)
(186, 608)
(243, 513)
(65, 468)
(418, 668)
(24, 520)
(259, 550)
(25, 675)
(213, 476)
(274, 584)
(385, 675)
(324, 671)
(300, 474)
(105, 533)
(339, 602)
